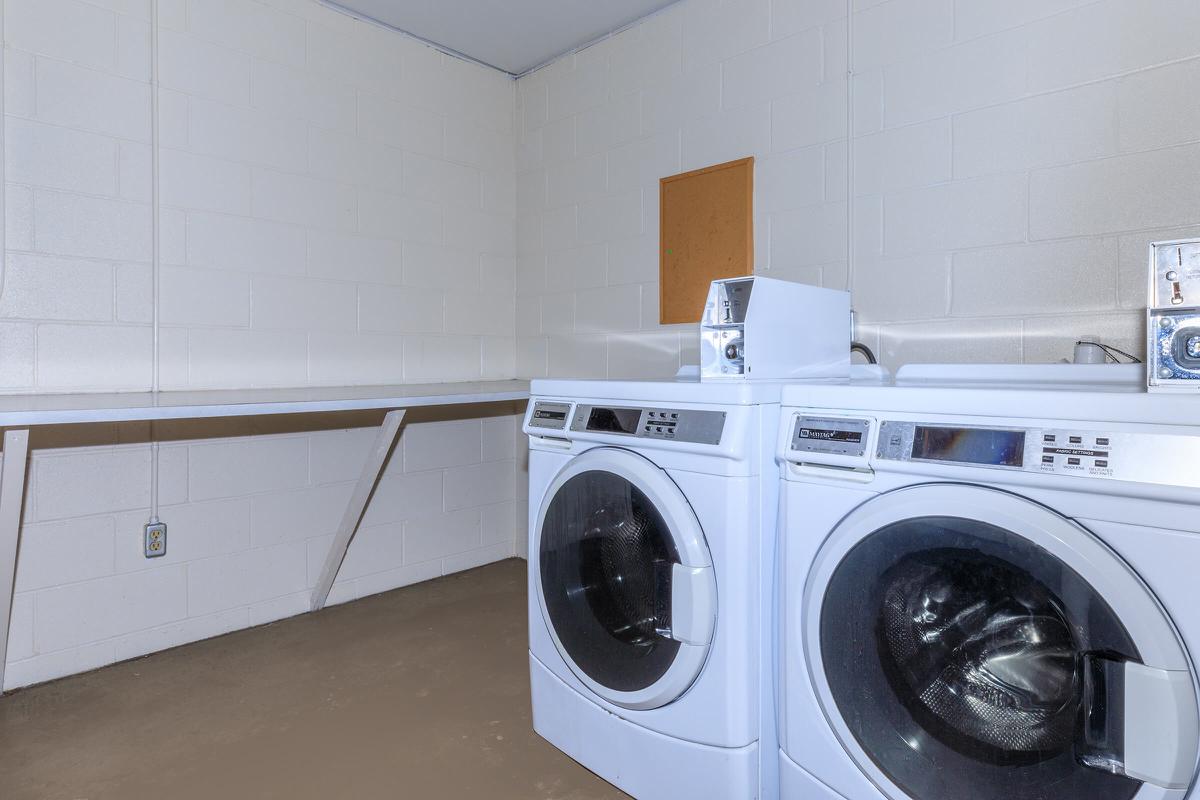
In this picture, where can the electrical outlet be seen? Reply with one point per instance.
(155, 536)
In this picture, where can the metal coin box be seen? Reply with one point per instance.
(1173, 317)
(759, 328)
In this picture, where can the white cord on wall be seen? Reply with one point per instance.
(850, 145)
(3, 171)
(155, 232)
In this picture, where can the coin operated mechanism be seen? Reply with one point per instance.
(1173, 317)
(766, 329)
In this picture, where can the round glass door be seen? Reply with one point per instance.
(606, 558)
(618, 549)
(967, 660)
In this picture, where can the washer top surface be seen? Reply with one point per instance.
(1098, 377)
(689, 389)
(741, 394)
(1067, 401)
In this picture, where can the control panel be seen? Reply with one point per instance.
(552, 416)
(669, 424)
(1056, 451)
(1162, 457)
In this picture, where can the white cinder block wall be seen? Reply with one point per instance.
(337, 207)
(1009, 164)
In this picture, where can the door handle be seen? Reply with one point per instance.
(693, 604)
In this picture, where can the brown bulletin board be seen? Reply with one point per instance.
(706, 232)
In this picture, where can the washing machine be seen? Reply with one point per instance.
(651, 523)
(988, 593)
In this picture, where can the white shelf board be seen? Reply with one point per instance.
(26, 410)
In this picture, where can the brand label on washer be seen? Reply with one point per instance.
(549, 415)
(843, 437)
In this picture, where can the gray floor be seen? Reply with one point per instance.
(418, 693)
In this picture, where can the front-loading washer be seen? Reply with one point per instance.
(988, 594)
(651, 526)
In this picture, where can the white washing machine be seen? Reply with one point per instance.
(988, 594)
(652, 511)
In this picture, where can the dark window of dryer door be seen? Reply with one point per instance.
(956, 652)
(606, 557)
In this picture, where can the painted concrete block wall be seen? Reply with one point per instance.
(703, 82)
(1008, 165)
(337, 207)
(1012, 163)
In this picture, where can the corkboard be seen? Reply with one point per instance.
(706, 232)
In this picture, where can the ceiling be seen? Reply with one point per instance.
(511, 35)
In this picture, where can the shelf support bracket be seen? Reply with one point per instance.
(372, 470)
(12, 496)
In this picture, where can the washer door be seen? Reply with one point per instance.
(625, 578)
(966, 642)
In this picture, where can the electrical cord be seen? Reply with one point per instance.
(867, 353)
(156, 250)
(1112, 352)
(3, 172)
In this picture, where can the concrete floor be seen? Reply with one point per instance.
(422, 692)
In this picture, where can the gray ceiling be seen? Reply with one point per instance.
(512, 35)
